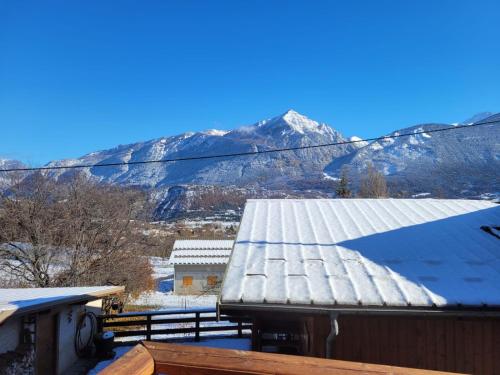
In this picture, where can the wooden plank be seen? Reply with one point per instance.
(460, 345)
(440, 343)
(450, 353)
(197, 328)
(181, 359)
(496, 347)
(124, 323)
(477, 341)
(431, 332)
(393, 337)
(148, 328)
(160, 312)
(488, 359)
(469, 347)
(46, 343)
(137, 361)
(167, 331)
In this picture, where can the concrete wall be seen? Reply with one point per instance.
(67, 320)
(200, 274)
(69, 317)
(10, 334)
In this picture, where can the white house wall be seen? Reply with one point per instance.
(199, 273)
(69, 317)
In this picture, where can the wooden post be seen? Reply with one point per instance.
(148, 327)
(240, 329)
(197, 327)
(99, 324)
(255, 335)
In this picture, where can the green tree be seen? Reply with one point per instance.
(343, 190)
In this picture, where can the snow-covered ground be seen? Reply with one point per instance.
(167, 299)
(161, 268)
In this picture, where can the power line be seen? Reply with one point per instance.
(249, 153)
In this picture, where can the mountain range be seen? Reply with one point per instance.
(457, 163)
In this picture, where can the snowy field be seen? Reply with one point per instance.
(168, 300)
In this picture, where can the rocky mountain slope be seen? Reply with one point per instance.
(271, 170)
(457, 163)
(6, 179)
(462, 162)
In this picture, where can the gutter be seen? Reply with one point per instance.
(493, 311)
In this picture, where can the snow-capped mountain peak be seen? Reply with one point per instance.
(358, 142)
(215, 132)
(290, 123)
(299, 122)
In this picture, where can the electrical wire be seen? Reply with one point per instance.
(82, 345)
(249, 153)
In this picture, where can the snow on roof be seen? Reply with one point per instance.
(203, 244)
(201, 251)
(26, 300)
(369, 252)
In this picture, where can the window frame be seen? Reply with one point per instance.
(187, 281)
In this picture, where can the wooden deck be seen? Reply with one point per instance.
(150, 358)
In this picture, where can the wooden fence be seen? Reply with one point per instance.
(191, 322)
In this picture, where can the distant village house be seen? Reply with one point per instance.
(199, 265)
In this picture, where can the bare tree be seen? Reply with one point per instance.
(30, 230)
(73, 233)
(373, 184)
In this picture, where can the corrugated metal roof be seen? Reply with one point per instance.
(203, 244)
(201, 252)
(371, 252)
(23, 300)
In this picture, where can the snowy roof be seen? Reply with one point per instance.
(368, 252)
(27, 300)
(203, 244)
(201, 251)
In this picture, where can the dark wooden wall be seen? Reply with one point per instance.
(467, 345)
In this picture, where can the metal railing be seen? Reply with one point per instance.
(171, 324)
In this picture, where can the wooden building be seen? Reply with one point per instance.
(39, 327)
(199, 265)
(412, 283)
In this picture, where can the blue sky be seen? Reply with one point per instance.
(79, 76)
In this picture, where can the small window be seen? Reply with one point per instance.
(212, 280)
(187, 281)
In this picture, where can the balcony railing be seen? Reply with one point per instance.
(162, 325)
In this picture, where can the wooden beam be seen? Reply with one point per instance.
(183, 359)
(137, 361)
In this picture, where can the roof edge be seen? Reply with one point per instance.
(493, 311)
(72, 299)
